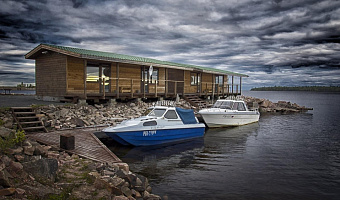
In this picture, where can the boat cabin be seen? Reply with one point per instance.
(73, 73)
(231, 105)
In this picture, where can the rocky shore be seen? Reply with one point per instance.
(34, 171)
(266, 106)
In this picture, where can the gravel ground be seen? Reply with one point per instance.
(22, 100)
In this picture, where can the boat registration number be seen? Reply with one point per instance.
(149, 133)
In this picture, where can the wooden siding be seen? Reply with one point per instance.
(207, 80)
(50, 74)
(129, 78)
(175, 78)
(161, 77)
(188, 88)
(75, 75)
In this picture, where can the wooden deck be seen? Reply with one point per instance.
(87, 145)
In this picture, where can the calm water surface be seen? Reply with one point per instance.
(294, 156)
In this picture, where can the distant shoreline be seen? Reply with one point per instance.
(299, 88)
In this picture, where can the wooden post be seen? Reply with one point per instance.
(228, 90)
(67, 142)
(166, 82)
(232, 84)
(117, 80)
(213, 92)
(85, 76)
(103, 79)
(156, 89)
(200, 84)
(100, 81)
(131, 88)
(175, 87)
(218, 89)
(240, 85)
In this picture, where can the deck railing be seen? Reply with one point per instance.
(123, 86)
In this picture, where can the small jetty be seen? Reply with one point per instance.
(86, 145)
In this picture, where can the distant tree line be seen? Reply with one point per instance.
(22, 85)
(299, 88)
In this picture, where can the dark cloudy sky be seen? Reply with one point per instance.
(279, 42)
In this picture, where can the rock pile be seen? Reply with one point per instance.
(264, 105)
(34, 171)
(73, 116)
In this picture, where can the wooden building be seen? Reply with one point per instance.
(66, 72)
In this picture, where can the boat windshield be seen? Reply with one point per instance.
(217, 104)
(157, 112)
(223, 104)
(227, 105)
(147, 111)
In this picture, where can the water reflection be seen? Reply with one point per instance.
(132, 154)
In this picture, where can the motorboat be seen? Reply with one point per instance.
(229, 113)
(159, 125)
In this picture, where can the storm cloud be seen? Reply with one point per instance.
(274, 42)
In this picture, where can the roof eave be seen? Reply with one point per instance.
(33, 53)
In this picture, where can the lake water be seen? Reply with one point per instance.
(24, 92)
(294, 156)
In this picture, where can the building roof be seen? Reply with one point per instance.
(106, 56)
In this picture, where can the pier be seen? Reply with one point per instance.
(87, 145)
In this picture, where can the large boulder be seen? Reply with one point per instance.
(5, 132)
(44, 169)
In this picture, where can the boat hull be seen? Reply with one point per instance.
(214, 120)
(156, 136)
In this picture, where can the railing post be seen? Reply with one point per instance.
(85, 76)
(175, 87)
(103, 81)
(156, 89)
(166, 88)
(117, 80)
(213, 91)
(131, 88)
(232, 84)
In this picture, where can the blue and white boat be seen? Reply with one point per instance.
(161, 124)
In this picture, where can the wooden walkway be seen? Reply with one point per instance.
(87, 145)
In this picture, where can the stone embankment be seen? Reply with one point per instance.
(35, 171)
(264, 105)
(56, 117)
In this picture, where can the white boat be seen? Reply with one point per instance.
(229, 113)
(161, 124)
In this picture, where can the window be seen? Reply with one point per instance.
(150, 79)
(195, 78)
(147, 111)
(150, 123)
(154, 76)
(239, 106)
(217, 104)
(227, 105)
(157, 112)
(171, 114)
(92, 74)
(219, 80)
